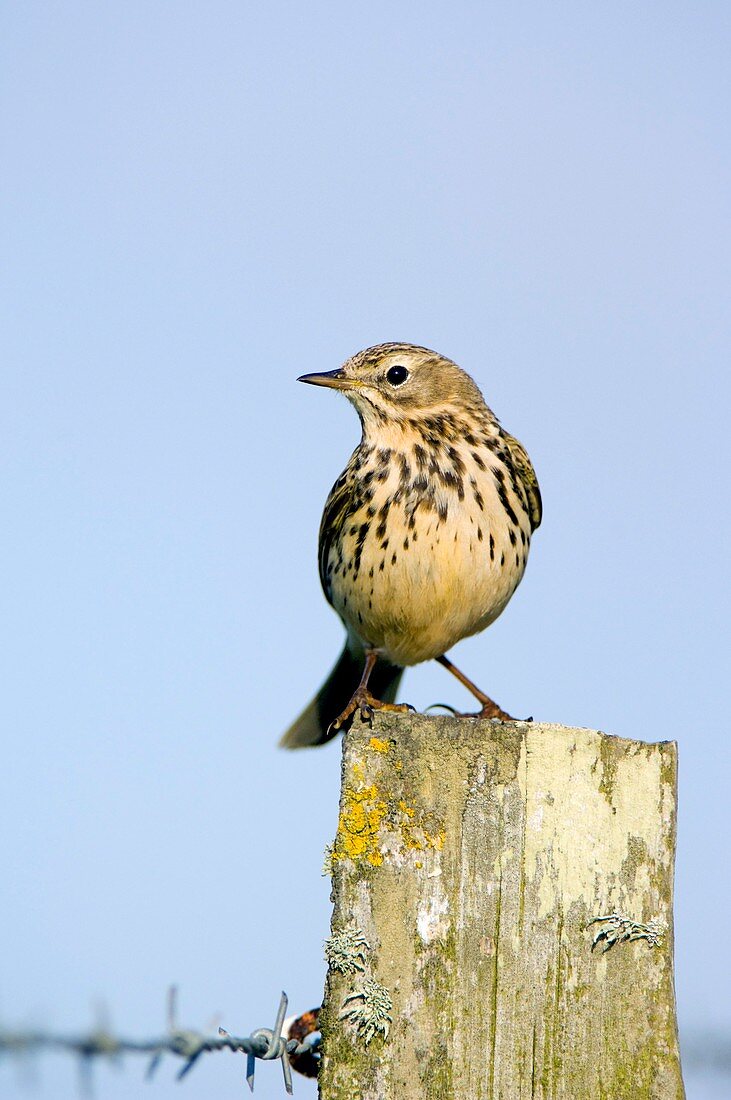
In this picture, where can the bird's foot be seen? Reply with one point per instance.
(490, 709)
(365, 702)
(493, 711)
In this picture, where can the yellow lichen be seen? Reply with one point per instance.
(361, 815)
(379, 745)
(370, 818)
(417, 830)
(417, 838)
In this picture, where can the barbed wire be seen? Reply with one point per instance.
(701, 1051)
(266, 1044)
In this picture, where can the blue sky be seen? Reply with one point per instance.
(201, 202)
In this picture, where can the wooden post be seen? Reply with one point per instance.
(471, 858)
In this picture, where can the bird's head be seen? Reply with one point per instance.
(392, 382)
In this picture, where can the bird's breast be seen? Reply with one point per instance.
(429, 552)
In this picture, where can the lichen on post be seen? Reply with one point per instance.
(507, 889)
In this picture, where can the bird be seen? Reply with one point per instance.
(424, 536)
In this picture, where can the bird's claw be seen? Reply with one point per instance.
(367, 705)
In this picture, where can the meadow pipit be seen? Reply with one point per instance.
(425, 534)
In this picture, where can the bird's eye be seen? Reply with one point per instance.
(397, 375)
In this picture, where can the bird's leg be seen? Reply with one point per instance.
(363, 699)
(490, 709)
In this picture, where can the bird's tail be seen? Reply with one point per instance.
(313, 725)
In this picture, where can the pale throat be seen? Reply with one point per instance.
(400, 429)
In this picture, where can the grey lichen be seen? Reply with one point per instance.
(327, 860)
(369, 1008)
(618, 929)
(345, 951)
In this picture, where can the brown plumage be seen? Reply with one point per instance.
(425, 534)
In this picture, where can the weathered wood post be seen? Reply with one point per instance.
(470, 861)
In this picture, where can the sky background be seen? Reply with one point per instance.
(201, 201)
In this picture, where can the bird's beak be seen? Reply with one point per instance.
(334, 379)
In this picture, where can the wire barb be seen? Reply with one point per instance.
(276, 1047)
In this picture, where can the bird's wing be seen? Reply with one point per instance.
(524, 470)
(339, 505)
